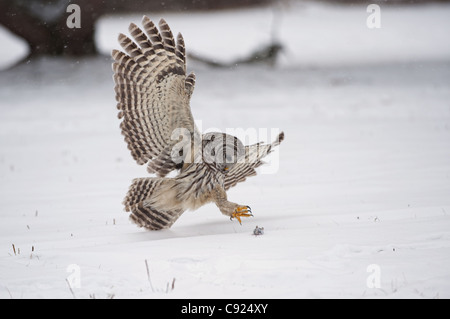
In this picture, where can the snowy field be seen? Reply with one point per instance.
(359, 206)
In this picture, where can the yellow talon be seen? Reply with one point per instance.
(241, 211)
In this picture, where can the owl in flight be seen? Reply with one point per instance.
(153, 93)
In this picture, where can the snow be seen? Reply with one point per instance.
(17, 48)
(360, 196)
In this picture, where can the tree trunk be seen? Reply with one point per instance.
(49, 34)
(43, 23)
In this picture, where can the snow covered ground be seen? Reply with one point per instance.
(359, 206)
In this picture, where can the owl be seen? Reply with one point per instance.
(153, 92)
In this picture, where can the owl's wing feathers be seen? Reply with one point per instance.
(153, 93)
(253, 159)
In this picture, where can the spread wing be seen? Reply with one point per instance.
(153, 94)
(253, 159)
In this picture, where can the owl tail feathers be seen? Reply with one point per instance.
(152, 219)
(140, 201)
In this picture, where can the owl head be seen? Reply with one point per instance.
(222, 151)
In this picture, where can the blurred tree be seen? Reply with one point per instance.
(384, 2)
(43, 24)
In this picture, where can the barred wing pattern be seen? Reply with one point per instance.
(253, 159)
(153, 93)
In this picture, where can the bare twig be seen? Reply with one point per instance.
(266, 54)
(148, 276)
(70, 288)
(9, 292)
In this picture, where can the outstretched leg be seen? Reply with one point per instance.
(230, 209)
